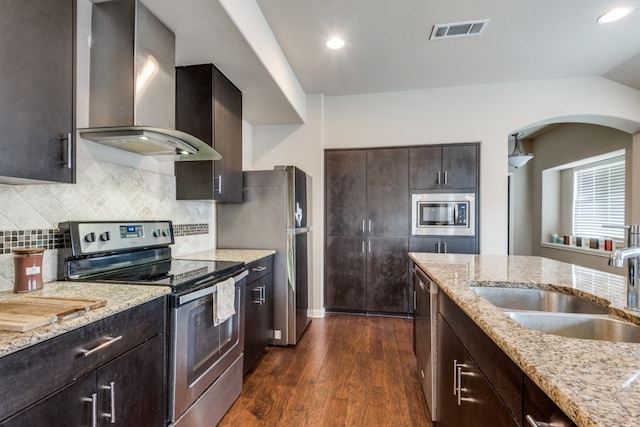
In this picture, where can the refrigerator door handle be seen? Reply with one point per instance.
(300, 230)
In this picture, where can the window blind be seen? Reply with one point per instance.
(599, 199)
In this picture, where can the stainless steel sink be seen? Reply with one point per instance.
(538, 300)
(585, 326)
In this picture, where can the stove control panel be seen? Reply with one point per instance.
(104, 236)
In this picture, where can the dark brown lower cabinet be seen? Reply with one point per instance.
(466, 397)
(367, 274)
(346, 273)
(541, 408)
(109, 372)
(444, 245)
(127, 391)
(258, 311)
(387, 275)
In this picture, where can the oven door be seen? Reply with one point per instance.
(201, 348)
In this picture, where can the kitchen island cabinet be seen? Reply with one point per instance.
(367, 226)
(110, 370)
(553, 379)
(37, 91)
(209, 107)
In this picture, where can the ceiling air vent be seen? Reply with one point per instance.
(458, 29)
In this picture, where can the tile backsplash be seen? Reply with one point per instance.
(29, 214)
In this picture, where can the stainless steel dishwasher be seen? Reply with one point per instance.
(426, 329)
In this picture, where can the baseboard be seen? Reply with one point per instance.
(318, 314)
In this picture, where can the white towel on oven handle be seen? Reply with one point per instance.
(225, 301)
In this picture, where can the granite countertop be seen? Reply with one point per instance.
(240, 255)
(119, 298)
(596, 383)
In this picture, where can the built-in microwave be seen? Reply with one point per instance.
(448, 214)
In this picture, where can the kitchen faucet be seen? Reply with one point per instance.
(632, 254)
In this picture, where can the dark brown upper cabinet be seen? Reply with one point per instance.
(443, 167)
(209, 107)
(37, 91)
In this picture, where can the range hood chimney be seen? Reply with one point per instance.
(132, 85)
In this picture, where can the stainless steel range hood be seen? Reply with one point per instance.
(132, 85)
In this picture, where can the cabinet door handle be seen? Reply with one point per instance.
(263, 295)
(363, 246)
(455, 377)
(69, 162)
(446, 179)
(112, 391)
(369, 244)
(414, 301)
(259, 299)
(94, 408)
(261, 268)
(438, 247)
(531, 422)
(369, 226)
(438, 181)
(219, 184)
(458, 381)
(110, 341)
(363, 230)
(444, 245)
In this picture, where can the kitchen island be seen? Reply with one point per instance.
(596, 383)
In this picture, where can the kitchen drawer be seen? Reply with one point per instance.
(35, 372)
(260, 268)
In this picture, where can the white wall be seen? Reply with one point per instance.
(486, 113)
(301, 146)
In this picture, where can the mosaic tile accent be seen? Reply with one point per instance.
(26, 239)
(180, 230)
(54, 239)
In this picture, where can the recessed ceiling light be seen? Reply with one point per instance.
(335, 43)
(615, 14)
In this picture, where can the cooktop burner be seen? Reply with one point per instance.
(180, 274)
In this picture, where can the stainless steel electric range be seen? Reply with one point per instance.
(205, 350)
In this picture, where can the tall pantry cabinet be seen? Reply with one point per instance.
(367, 226)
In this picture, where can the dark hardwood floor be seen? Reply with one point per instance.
(345, 371)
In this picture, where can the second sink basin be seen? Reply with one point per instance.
(538, 300)
(592, 327)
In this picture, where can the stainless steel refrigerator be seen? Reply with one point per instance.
(273, 215)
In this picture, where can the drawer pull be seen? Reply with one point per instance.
(110, 340)
(533, 423)
(261, 268)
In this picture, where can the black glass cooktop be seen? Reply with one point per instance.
(180, 274)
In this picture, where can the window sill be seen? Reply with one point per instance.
(588, 251)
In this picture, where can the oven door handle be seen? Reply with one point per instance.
(208, 290)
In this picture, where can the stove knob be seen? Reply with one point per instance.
(165, 232)
(105, 236)
(90, 238)
(157, 232)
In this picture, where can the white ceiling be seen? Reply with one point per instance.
(388, 47)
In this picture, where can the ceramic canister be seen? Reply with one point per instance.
(28, 269)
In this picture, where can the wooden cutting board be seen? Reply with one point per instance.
(25, 313)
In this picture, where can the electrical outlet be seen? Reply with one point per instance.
(277, 334)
